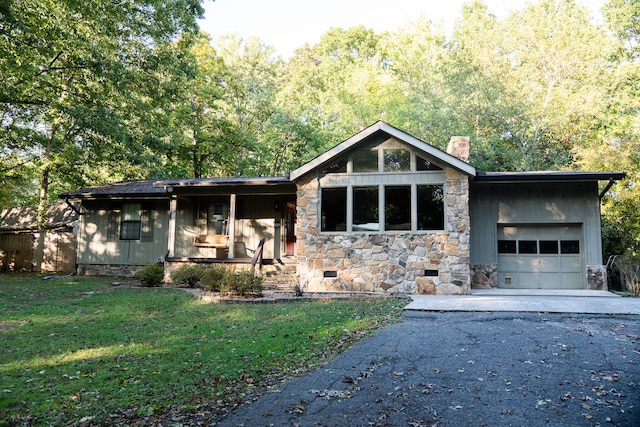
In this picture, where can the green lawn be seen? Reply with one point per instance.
(80, 351)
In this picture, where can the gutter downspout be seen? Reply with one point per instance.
(609, 185)
(73, 208)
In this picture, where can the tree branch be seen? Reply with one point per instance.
(11, 101)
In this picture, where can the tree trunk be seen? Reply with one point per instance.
(43, 197)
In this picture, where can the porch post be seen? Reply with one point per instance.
(171, 243)
(231, 228)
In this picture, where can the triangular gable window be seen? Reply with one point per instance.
(423, 164)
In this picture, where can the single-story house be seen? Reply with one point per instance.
(24, 246)
(382, 211)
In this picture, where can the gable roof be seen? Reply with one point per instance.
(131, 188)
(392, 131)
(23, 218)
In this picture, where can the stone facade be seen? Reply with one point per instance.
(396, 262)
(484, 276)
(117, 270)
(597, 277)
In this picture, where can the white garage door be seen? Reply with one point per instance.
(540, 257)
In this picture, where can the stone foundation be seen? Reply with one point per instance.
(108, 270)
(484, 276)
(383, 263)
(597, 277)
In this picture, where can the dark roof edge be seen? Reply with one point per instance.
(546, 176)
(215, 182)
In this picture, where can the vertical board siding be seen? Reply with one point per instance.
(16, 252)
(536, 203)
(53, 250)
(99, 244)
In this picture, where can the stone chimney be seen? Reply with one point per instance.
(459, 147)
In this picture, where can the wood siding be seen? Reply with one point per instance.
(535, 203)
(39, 251)
(98, 243)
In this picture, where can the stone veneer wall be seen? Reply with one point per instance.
(391, 262)
(484, 276)
(597, 277)
(116, 270)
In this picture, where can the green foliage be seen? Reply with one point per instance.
(629, 265)
(97, 92)
(152, 275)
(80, 77)
(213, 278)
(79, 350)
(188, 276)
(243, 283)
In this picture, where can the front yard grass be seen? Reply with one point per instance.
(79, 351)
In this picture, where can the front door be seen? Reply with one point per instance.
(291, 229)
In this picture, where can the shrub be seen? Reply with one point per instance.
(244, 283)
(188, 276)
(629, 264)
(213, 278)
(152, 275)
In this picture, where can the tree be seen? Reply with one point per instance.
(616, 143)
(75, 74)
(340, 85)
(264, 137)
(534, 81)
(418, 58)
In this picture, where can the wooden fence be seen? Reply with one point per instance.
(38, 251)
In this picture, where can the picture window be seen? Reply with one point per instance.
(334, 209)
(365, 209)
(397, 207)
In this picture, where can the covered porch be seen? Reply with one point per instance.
(231, 220)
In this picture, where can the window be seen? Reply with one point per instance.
(217, 218)
(426, 165)
(338, 166)
(506, 246)
(334, 209)
(365, 209)
(569, 247)
(397, 160)
(130, 221)
(397, 207)
(365, 160)
(527, 246)
(548, 247)
(543, 247)
(430, 207)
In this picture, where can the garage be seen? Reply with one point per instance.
(538, 256)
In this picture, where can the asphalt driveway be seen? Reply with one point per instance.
(470, 369)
